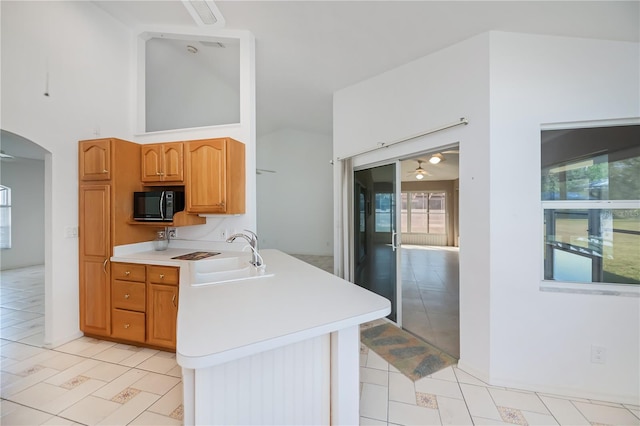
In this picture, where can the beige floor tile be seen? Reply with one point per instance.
(25, 364)
(483, 421)
(114, 355)
(18, 385)
(374, 402)
(438, 387)
(371, 422)
(406, 414)
(374, 376)
(106, 371)
(59, 421)
(539, 419)
(131, 409)
(156, 383)
(135, 358)
(464, 377)
(520, 400)
(72, 396)
(61, 361)
(73, 371)
(445, 374)
(175, 372)
(90, 410)
(152, 419)
(479, 402)
(376, 361)
(564, 411)
(35, 339)
(169, 402)
(401, 389)
(20, 351)
(603, 414)
(38, 395)
(122, 382)
(24, 416)
(158, 364)
(453, 411)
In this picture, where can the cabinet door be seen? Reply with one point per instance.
(95, 160)
(94, 228)
(173, 162)
(162, 314)
(151, 162)
(206, 186)
(95, 297)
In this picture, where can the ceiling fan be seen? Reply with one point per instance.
(419, 172)
(438, 157)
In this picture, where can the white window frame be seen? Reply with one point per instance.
(446, 212)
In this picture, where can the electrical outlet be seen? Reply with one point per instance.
(598, 354)
(71, 232)
(173, 233)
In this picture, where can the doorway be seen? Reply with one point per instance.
(430, 253)
(405, 241)
(23, 229)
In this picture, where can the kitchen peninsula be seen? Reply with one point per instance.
(282, 348)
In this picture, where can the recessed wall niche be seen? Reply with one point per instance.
(190, 82)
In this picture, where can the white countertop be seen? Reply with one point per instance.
(220, 323)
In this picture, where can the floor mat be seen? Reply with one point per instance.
(412, 356)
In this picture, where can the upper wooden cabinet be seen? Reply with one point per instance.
(215, 176)
(162, 162)
(95, 160)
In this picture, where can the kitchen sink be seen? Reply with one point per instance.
(224, 270)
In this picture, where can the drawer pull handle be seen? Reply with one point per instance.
(126, 296)
(127, 272)
(126, 326)
(173, 300)
(161, 275)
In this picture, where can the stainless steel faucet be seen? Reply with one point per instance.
(252, 238)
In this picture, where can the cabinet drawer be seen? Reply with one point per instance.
(164, 274)
(128, 325)
(128, 271)
(128, 295)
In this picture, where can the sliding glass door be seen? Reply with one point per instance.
(376, 232)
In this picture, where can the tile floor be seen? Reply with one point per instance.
(90, 382)
(431, 296)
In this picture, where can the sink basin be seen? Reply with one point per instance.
(224, 270)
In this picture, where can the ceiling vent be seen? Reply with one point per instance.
(205, 13)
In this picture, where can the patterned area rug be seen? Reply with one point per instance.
(413, 357)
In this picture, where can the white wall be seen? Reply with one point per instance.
(512, 334)
(25, 177)
(295, 204)
(425, 94)
(537, 335)
(85, 54)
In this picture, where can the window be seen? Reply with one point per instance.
(384, 211)
(5, 217)
(591, 203)
(423, 212)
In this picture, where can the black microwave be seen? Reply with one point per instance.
(158, 206)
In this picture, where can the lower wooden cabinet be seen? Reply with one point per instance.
(162, 311)
(144, 304)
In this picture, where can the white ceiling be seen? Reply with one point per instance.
(306, 50)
